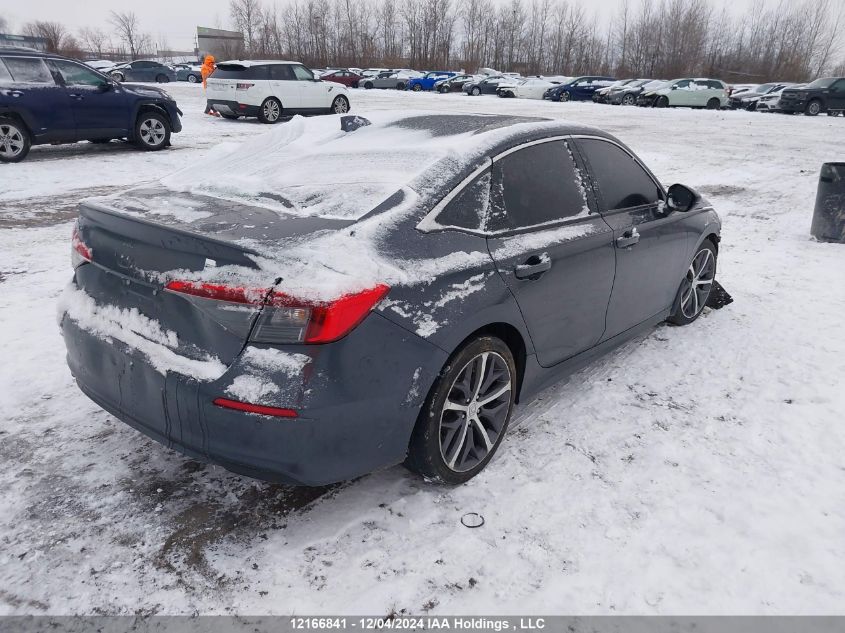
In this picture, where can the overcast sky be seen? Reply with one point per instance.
(176, 21)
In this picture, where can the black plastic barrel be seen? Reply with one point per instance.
(829, 215)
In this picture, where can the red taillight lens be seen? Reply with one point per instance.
(80, 252)
(243, 86)
(255, 408)
(286, 319)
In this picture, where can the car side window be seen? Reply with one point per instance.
(5, 75)
(302, 73)
(683, 85)
(29, 70)
(281, 72)
(536, 185)
(78, 75)
(839, 86)
(470, 209)
(621, 180)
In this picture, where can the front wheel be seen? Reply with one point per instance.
(663, 102)
(476, 92)
(565, 96)
(696, 286)
(368, 85)
(162, 79)
(118, 77)
(270, 111)
(629, 100)
(14, 141)
(340, 105)
(152, 131)
(466, 413)
(813, 108)
(416, 88)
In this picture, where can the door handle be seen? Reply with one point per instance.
(14, 93)
(628, 238)
(76, 96)
(533, 267)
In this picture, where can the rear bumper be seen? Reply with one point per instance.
(357, 401)
(233, 107)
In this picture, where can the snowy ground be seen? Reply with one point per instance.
(698, 470)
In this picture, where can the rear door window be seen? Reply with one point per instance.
(281, 72)
(621, 180)
(469, 209)
(29, 70)
(535, 186)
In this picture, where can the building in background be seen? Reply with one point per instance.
(38, 43)
(222, 44)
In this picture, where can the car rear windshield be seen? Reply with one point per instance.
(236, 71)
(822, 83)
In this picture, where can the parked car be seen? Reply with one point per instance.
(454, 84)
(375, 72)
(531, 88)
(822, 95)
(282, 361)
(770, 102)
(739, 88)
(427, 81)
(628, 94)
(747, 100)
(101, 65)
(47, 98)
(600, 95)
(192, 73)
(270, 90)
(579, 89)
(345, 77)
(694, 93)
(485, 86)
(386, 80)
(143, 70)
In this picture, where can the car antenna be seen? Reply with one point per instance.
(352, 123)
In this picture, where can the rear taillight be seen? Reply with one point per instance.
(243, 86)
(80, 252)
(286, 319)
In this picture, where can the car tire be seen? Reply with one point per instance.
(368, 85)
(416, 88)
(713, 104)
(629, 100)
(813, 108)
(833, 113)
(662, 102)
(162, 79)
(15, 143)
(452, 443)
(119, 77)
(565, 96)
(696, 286)
(152, 131)
(270, 111)
(340, 105)
(476, 91)
(192, 79)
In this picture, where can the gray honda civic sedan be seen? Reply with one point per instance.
(322, 302)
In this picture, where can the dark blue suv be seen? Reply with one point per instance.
(46, 98)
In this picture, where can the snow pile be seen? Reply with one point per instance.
(138, 332)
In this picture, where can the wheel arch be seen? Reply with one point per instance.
(20, 119)
(148, 106)
(511, 337)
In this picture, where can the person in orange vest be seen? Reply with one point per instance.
(205, 71)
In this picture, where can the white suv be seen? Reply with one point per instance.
(270, 90)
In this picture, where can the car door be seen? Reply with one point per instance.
(551, 248)
(285, 87)
(650, 243)
(315, 93)
(836, 97)
(701, 91)
(99, 106)
(38, 98)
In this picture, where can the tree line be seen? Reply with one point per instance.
(791, 40)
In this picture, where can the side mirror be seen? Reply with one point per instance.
(682, 198)
(674, 87)
(105, 86)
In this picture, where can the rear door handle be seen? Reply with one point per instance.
(628, 238)
(76, 96)
(533, 267)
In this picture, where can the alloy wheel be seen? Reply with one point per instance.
(340, 105)
(152, 132)
(698, 283)
(628, 100)
(271, 111)
(475, 412)
(11, 141)
(814, 108)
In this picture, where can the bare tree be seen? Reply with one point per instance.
(94, 39)
(53, 32)
(129, 32)
(246, 16)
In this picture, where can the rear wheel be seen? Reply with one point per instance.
(162, 79)
(565, 96)
(813, 108)
(629, 100)
(476, 91)
(466, 413)
(152, 131)
(368, 85)
(696, 286)
(14, 141)
(118, 77)
(340, 105)
(662, 102)
(270, 111)
(713, 104)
